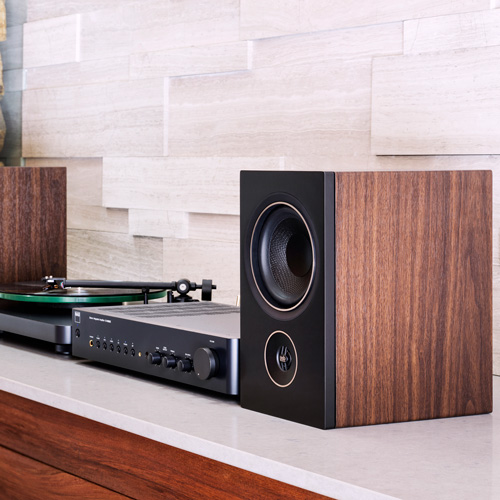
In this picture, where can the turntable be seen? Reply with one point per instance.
(43, 309)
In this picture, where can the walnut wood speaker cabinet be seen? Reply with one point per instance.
(366, 297)
(32, 223)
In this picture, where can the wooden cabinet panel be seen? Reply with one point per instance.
(413, 288)
(32, 223)
(129, 464)
(22, 478)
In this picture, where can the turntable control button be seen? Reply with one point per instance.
(184, 365)
(169, 361)
(154, 358)
(206, 363)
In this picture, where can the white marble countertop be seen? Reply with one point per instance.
(455, 458)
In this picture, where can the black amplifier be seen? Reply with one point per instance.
(195, 343)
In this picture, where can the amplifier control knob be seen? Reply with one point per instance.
(169, 361)
(206, 363)
(154, 358)
(184, 365)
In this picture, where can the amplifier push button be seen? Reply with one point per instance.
(169, 361)
(154, 358)
(184, 365)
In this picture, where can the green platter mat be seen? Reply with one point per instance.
(33, 292)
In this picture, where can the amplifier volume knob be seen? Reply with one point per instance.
(154, 358)
(184, 365)
(169, 361)
(206, 363)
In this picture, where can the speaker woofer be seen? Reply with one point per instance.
(282, 256)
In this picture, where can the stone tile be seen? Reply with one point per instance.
(436, 103)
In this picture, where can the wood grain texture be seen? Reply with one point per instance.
(496, 319)
(414, 296)
(38, 480)
(459, 31)
(405, 163)
(115, 118)
(301, 109)
(51, 41)
(32, 223)
(259, 19)
(129, 464)
(436, 103)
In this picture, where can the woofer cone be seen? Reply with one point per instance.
(282, 256)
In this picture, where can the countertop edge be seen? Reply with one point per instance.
(253, 463)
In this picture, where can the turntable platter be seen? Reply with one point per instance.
(33, 291)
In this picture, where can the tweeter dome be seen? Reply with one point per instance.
(366, 297)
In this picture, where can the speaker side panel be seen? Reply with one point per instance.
(33, 223)
(269, 330)
(414, 287)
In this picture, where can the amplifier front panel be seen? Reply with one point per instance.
(188, 357)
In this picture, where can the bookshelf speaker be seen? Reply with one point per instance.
(366, 297)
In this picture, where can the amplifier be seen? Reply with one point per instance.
(188, 342)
